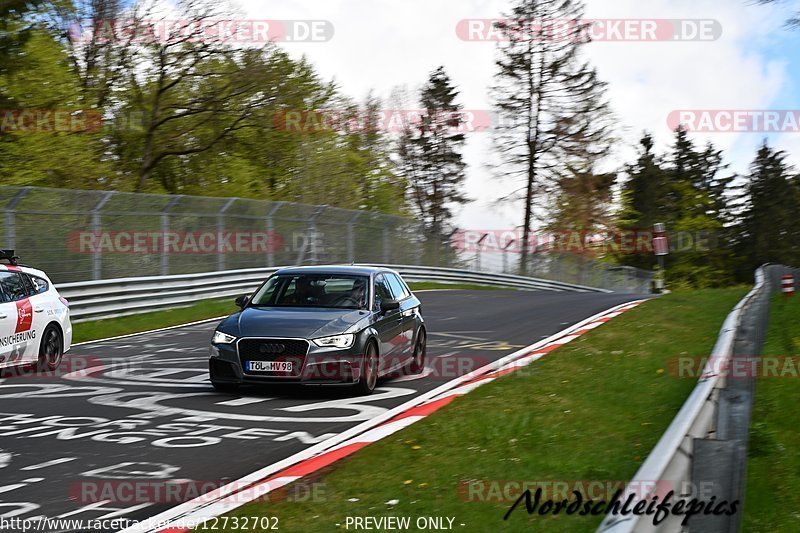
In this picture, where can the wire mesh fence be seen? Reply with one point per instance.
(78, 235)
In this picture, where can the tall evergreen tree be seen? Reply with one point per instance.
(430, 154)
(553, 105)
(769, 231)
(643, 199)
(686, 191)
(698, 204)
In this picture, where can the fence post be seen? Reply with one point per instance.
(11, 219)
(311, 238)
(165, 214)
(97, 258)
(220, 230)
(387, 252)
(351, 239)
(271, 233)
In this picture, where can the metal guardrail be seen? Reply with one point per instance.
(127, 296)
(671, 459)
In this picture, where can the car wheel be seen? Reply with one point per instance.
(418, 362)
(51, 350)
(369, 371)
(225, 387)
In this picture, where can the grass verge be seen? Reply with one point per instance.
(112, 327)
(772, 496)
(591, 410)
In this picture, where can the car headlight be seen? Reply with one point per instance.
(222, 338)
(337, 341)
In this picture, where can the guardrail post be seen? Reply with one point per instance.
(271, 233)
(11, 219)
(165, 214)
(97, 259)
(220, 230)
(351, 239)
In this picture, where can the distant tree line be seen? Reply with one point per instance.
(189, 114)
(185, 114)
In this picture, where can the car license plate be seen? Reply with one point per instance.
(269, 366)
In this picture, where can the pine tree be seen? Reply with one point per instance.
(698, 206)
(769, 231)
(430, 154)
(643, 195)
(551, 102)
(687, 192)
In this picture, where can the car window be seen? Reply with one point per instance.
(4, 298)
(382, 291)
(39, 285)
(14, 287)
(314, 290)
(398, 289)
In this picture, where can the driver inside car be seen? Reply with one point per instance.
(305, 292)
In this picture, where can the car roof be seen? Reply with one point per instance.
(22, 268)
(352, 270)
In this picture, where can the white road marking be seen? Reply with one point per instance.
(49, 463)
(243, 401)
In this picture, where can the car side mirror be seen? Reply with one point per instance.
(242, 301)
(389, 305)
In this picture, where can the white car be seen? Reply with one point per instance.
(34, 319)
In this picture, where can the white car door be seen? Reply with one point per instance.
(22, 342)
(41, 303)
(8, 323)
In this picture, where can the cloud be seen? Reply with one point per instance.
(381, 44)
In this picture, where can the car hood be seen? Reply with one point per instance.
(293, 322)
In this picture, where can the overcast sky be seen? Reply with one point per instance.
(382, 44)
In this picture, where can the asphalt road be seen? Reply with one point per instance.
(121, 418)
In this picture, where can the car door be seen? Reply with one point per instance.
(42, 304)
(389, 327)
(8, 322)
(23, 341)
(401, 294)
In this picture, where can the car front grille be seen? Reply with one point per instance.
(276, 350)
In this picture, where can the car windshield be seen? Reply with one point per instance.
(314, 290)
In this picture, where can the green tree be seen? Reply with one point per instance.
(32, 154)
(769, 222)
(430, 156)
(687, 191)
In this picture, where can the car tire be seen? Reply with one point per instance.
(225, 387)
(51, 350)
(369, 371)
(418, 362)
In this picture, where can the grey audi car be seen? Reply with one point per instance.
(320, 325)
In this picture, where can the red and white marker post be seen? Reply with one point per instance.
(661, 249)
(787, 285)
